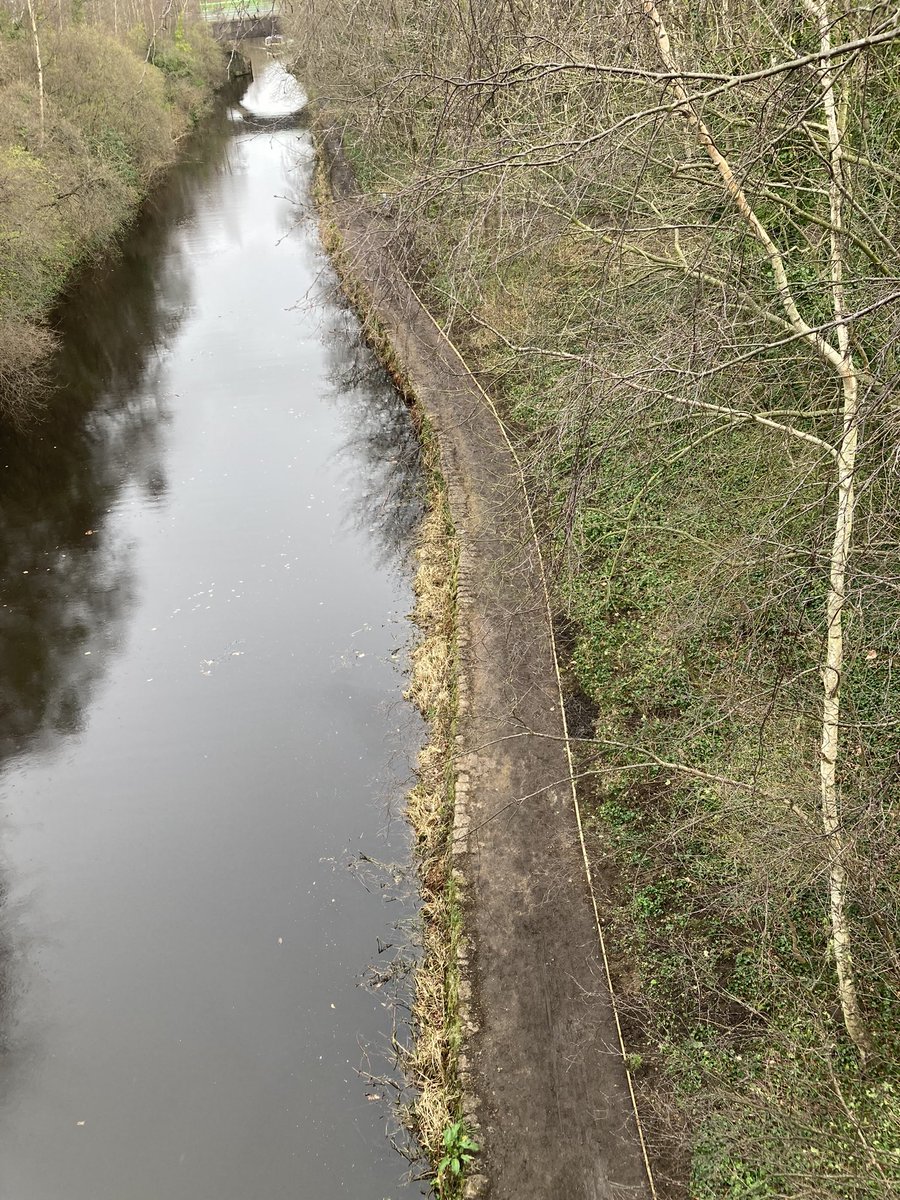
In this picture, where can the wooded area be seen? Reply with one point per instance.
(666, 238)
(96, 94)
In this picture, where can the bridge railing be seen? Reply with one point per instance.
(220, 11)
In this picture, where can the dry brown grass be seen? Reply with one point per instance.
(431, 1061)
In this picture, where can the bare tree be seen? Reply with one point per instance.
(668, 234)
(839, 357)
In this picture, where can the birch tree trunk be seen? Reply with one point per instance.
(840, 555)
(839, 358)
(40, 65)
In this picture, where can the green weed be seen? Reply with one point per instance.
(459, 1152)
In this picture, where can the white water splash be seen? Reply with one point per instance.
(274, 93)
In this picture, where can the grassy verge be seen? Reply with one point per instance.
(70, 181)
(430, 1064)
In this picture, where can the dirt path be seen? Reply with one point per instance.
(544, 1064)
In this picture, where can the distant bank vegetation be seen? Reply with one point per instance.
(668, 236)
(95, 95)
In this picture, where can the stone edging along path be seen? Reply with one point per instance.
(543, 1070)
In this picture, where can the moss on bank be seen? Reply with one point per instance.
(70, 183)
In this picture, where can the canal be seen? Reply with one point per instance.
(205, 579)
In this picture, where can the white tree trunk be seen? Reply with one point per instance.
(40, 65)
(840, 556)
(840, 359)
(831, 713)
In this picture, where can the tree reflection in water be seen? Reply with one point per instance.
(384, 478)
(66, 582)
(66, 586)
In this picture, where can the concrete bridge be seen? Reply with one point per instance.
(236, 19)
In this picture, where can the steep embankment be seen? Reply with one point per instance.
(542, 1077)
(76, 161)
(666, 239)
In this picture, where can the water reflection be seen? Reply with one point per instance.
(66, 585)
(190, 542)
(381, 454)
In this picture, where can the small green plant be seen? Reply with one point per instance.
(458, 1152)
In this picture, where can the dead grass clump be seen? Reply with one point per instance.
(431, 1060)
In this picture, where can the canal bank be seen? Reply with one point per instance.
(541, 1074)
(92, 122)
(205, 578)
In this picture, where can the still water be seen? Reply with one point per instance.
(205, 575)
